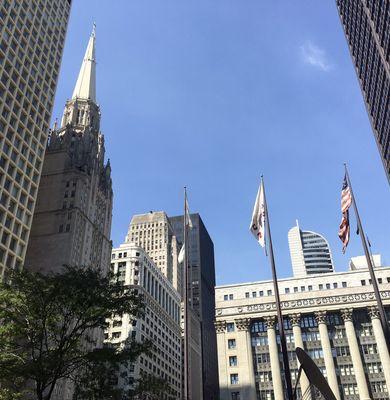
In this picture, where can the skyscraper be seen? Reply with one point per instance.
(32, 36)
(202, 275)
(367, 29)
(72, 219)
(153, 232)
(309, 251)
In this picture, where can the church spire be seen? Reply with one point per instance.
(86, 82)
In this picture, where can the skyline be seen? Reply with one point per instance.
(320, 71)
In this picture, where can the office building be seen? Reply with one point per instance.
(332, 316)
(367, 29)
(72, 219)
(160, 324)
(360, 262)
(202, 274)
(153, 232)
(32, 37)
(309, 251)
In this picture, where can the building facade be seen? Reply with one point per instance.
(332, 316)
(202, 275)
(32, 37)
(160, 324)
(153, 232)
(367, 29)
(310, 252)
(72, 219)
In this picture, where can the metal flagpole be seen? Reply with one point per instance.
(283, 343)
(382, 313)
(185, 302)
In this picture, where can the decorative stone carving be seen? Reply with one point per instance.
(373, 312)
(270, 321)
(243, 324)
(346, 314)
(220, 326)
(320, 317)
(295, 319)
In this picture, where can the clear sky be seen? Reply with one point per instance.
(211, 94)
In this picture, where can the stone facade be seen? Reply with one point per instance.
(332, 316)
(72, 219)
(160, 324)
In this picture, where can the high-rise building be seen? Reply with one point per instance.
(32, 36)
(161, 322)
(72, 218)
(153, 232)
(309, 251)
(333, 317)
(367, 29)
(202, 275)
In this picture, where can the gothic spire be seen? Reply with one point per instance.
(86, 82)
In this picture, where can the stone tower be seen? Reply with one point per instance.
(72, 219)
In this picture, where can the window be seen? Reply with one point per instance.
(261, 293)
(287, 290)
(231, 344)
(269, 292)
(328, 285)
(335, 285)
(233, 361)
(260, 341)
(236, 396)
(302, 288)
(254, 294)
(234, 379)
(296, 289)
(230, 327)
(350, 389)
(344, 284)
(370, 348)
(320, 286)
(374, 368)
(363, 282)
(346, 370)
(342, 351)
(230, 297)
(226, 297)
(310, 288)
(247, 295)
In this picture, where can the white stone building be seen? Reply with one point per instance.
(332, 316)
(160, 324)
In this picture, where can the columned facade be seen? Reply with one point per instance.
(339, 329)
(297, 332)
(328, 356)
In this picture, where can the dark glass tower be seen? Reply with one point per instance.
(367, 29)
(202, 271)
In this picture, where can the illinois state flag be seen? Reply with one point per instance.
(257, 226)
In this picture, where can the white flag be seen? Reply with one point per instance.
(180, 258)
(257, 226)
(188, 218)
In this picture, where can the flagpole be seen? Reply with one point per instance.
(382, 313)
(283, 343)
(185, 302)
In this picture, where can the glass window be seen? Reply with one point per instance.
(230, 297)
(236, 396)
(269, 292)
(254, 294)
(233, 361)
(234, 379)
(247, 295)
(230, 327)
(231, 344)
(226, 297)
(287, 290)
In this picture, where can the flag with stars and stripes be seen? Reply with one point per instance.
(346, 201)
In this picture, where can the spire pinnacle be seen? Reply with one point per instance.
(86, 82)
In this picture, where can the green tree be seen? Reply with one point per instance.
(49, 328)
(149, 387)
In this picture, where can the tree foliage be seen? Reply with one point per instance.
(50, 326)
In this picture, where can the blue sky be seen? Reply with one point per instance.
(211, 94)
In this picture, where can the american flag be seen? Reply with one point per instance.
(346, 201)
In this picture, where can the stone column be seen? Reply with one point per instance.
(246, 373)
(296, 326)
(220, 329)
(328, 356)
(381, 343)
(355, 355)
(274, 356)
